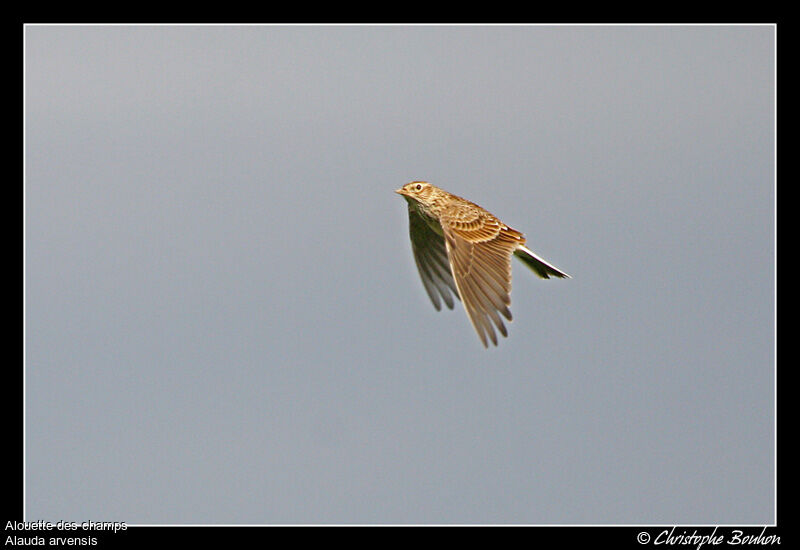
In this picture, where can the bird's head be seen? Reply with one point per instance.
(419, 191)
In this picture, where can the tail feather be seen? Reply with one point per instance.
(538, 265)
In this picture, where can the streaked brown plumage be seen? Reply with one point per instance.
(464, 251)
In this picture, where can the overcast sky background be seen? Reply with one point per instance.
(224, 319)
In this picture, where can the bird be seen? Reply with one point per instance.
(464, 251)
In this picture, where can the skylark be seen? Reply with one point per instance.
(464, 251)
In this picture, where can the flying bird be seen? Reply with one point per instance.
(462, 250)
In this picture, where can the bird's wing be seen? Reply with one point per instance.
(430, 255)
(479, 248)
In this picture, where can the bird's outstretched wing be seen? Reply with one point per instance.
(430, 255)
(479, 247)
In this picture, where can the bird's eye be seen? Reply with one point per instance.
(418, 187)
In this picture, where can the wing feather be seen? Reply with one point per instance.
(480, 259)
(430, 255)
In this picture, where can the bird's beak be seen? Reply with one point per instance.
(400, 191)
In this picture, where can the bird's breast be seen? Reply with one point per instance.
(432, 222)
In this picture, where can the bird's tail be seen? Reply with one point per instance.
(538, 265)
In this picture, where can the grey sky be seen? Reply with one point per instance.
(224, 320)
